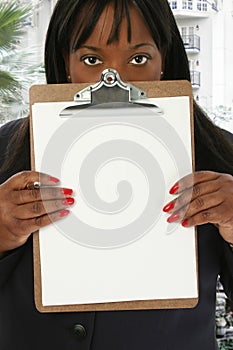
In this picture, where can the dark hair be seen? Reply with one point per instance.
(73, 22)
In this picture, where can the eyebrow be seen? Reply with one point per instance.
(136, 46)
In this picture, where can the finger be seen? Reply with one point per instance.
(26, 227)
(211, 215)
(198, 205)
(39, 208)
(187, 208)
(196, 197)
(203, 203)
(23, 180)
(48, 193)
(193, 179)
(219, 186)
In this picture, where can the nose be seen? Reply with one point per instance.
(121, 71)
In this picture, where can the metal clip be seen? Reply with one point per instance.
(109, 89)
(118, 92)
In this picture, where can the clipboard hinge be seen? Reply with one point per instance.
(110, 88)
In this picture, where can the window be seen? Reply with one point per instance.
(187, 30)
(184, 4)
(187, 4)
(190, 39)
(190, 4)
(173, 5)
(191, 30)
(202, 5)
(184, 31)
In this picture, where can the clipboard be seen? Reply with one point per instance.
(140, 90)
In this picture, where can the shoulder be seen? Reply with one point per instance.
(13, 147)
(10, 128)
(228, 135)
(7, 131)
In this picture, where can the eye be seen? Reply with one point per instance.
(139, 59)
(91, 60)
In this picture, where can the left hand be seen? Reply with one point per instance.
(204, 197)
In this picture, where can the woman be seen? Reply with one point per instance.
(141, 41)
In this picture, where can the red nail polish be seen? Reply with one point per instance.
(67, 191)
(64, 213)
(168, 207)
(54, 179)
(174, 189)
(173, 217)
(68, 201)
(185, 223)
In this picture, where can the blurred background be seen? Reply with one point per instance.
(206, 28)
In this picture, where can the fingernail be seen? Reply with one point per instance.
(174, 189)
(173, 218)
(185, 223)
(64, 213)
(67, 191)
(68, 201)
(54, 179)
(168, 207)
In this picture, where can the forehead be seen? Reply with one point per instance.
(106, 25)
(111, 25)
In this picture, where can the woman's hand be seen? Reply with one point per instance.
(204, 197)
(24, 209)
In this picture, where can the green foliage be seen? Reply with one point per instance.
(7, 81)
(226, 344)
(12, 17)
(221, 114)
(17, 70)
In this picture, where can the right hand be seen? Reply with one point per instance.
(24, 209)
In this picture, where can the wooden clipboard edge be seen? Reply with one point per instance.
(63, 93)
(187, 303)
(66, 92)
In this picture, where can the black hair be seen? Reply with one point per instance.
(73, 21)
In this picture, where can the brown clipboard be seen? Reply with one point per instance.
(66, 92)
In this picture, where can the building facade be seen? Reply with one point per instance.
(206, 27)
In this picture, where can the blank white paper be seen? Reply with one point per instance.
(116, 244)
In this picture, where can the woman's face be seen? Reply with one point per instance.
(137, 60)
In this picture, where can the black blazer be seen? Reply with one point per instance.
(22, 327)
